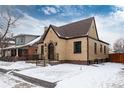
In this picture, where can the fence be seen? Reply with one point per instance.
(117, 57)
(23, 57)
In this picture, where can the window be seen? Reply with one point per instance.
(42, 49)
(104, 49)
(35, 50)
(101, 48)
(77, 47)
(95, 48)
(21, 39)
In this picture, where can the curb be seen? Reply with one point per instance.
(36, 81)
(4, 70)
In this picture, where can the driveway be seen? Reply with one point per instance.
(8, 81)
(119, 83)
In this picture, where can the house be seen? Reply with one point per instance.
(6, 43)
(25, 47)
(119, 51)
(77, 42)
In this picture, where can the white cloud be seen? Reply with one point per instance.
(28, 25)
(110, 28)
(49, 10)
(31, 25)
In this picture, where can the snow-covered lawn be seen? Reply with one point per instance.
(53, 73)
(20, 65)
(8, 81)
(104, 76)
(71, 75)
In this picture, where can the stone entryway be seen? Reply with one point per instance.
(51, 49)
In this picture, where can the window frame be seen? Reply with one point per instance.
(77, 44)
(42, 49)
(104, 49)
(95, 48)
(101, 48)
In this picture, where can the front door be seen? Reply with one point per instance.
(51, 51)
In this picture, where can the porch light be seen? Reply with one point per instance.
(45, 44)
(55, 43)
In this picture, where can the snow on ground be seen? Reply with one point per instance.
(53, 73)
(71, 75)
(8, 81)
(19, 65)
(105, 75)
(3, 63)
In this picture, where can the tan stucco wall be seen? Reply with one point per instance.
(99, 55)
(59, 48)
(70, 49)
(92, 31)
(65, 48)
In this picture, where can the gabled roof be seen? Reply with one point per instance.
(75, 29)
(31, 43)
(26, 35)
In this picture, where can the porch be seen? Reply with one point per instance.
(23, 53)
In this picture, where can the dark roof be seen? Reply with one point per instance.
(119, 51)
(74, 29)
(26, 35)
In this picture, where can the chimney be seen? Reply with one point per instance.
(45, 28)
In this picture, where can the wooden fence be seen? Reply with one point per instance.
(117, 57)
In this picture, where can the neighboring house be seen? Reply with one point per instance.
(7, 42)
(77, 42)
(25, 46)
(119, 51)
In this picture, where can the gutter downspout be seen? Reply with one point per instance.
(88, 51)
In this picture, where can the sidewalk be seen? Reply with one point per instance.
(20, 66)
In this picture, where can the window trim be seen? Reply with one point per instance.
(101, 48)
(104, 49)
(95, 48)
(42, 49)
(75, 51)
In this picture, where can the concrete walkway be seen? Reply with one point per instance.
(32, 80)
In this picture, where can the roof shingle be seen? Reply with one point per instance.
(74, 29)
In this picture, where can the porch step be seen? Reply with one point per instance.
(54, 62)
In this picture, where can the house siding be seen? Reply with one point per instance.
(98, 55)
(26, 39)
(51, 37)
(70, 49)
(92, 31)
(64, 48)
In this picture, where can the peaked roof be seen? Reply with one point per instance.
(26, 35)
(75, 29)
(72, 30)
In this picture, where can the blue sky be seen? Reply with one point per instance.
(65, 12)
(109, 19)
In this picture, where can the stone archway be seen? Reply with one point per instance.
(51, 51)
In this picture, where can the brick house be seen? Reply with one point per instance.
(25, 47)
(77, 42)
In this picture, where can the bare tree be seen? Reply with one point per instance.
(119, 45)
(8, 21)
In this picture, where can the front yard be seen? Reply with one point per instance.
(102, 75)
